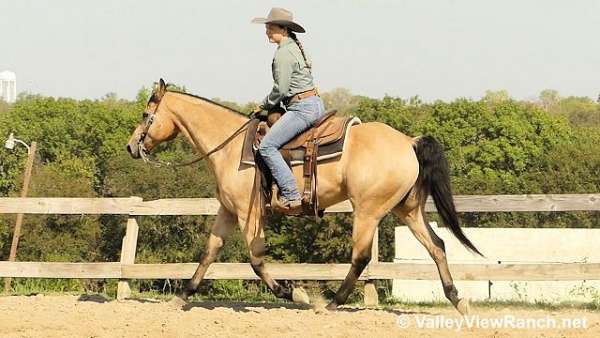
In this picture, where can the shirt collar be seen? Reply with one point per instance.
(286, 42)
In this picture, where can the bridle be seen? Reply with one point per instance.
(149, 119)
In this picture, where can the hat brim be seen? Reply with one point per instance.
(289, 24)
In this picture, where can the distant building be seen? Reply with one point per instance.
(8, 86)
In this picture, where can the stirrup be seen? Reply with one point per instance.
(297, 203)
(283, 206)
(290, 208)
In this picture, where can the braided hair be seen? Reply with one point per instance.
(292, 35)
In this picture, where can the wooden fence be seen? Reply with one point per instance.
(135, 207)
(559, 246)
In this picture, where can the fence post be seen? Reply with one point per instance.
(128, 255)
(17, 232)
(371, 298)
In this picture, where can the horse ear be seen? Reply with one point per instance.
(162, 88)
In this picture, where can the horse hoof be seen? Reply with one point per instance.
(331, 306)
(177, 303)
(300, 296)
(463, 306)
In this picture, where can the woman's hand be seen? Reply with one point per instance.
(256, 112)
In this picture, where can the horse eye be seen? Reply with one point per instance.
(144, 115)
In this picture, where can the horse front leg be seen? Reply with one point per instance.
(255, 240)
(363, 230)
(221, 229)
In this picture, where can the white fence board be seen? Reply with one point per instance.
(506, 245)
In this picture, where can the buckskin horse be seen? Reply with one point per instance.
(381, 170)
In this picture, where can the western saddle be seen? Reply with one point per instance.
(325, 140)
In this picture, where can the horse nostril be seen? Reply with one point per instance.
(128, 149)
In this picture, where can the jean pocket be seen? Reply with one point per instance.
(310, 111)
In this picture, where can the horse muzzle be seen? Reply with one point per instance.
(133, 150)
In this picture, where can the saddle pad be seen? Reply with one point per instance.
(325, 152)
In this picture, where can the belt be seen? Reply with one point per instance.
(300, 96)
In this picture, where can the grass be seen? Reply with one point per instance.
(219, 290)
(30, 286)
(256, 292)
(393, 303)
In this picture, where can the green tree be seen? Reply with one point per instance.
(497, 96)
(491, 146)
(341, 99)
(494, 145)
(549, 99)
(581, 111)
(405, 116)
(4, 106)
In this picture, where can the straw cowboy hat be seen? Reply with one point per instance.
(281, 17)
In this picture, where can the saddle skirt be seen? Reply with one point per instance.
(331, 135)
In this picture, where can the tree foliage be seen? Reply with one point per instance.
(495, 145)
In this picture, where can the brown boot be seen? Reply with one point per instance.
(289, 207)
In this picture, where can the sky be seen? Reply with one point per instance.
(437, 49)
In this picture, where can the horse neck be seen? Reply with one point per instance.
(206, 125)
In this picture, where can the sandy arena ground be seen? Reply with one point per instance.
(92, 316)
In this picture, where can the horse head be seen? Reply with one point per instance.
(157, 125)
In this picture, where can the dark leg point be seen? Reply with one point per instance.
(188, 291)
(331, 306)
(282, 292)
(451, 293)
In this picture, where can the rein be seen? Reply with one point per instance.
(146, 156)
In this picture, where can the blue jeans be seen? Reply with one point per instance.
(300, 116)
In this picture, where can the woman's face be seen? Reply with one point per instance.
(275, 33)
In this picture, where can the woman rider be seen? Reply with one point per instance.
(294, 88)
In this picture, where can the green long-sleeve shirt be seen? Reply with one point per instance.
(290, 74)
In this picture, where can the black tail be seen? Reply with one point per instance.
(434, 179)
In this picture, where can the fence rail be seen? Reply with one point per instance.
(135, 206)
(293, 271)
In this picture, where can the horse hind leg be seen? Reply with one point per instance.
(435, 247)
